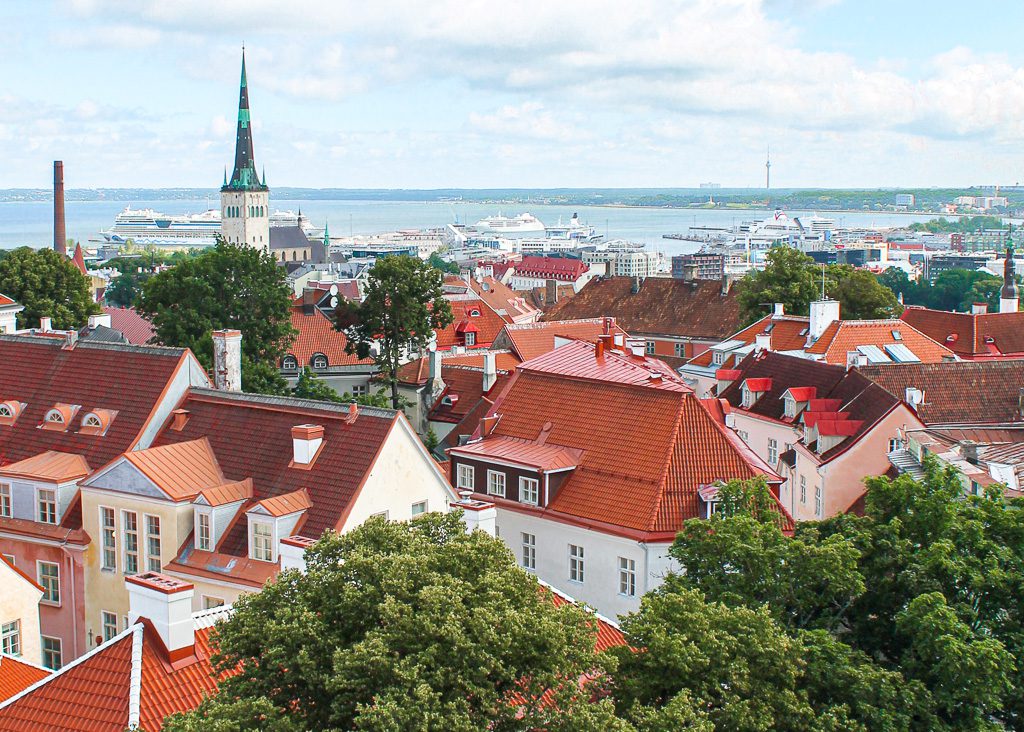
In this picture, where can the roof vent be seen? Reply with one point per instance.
(179, 418)
(353, 413)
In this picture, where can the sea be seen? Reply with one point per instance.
(30, 223)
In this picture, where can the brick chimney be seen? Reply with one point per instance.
(167, 603)
(227, 360)
(59, 231)
(550, 292)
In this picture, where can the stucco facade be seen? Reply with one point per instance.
(19, 612)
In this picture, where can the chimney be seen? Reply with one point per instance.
(477, 514)
(609, 325)
(635, 287)
(823, 314)
(619, 339)
(227, 360)
(45, 324)
(167, 603)
(490, 371)
(96, 321)
(970, 450)
(487, 424)
(550, 292)
(179, 418)
(599, 349)
(292, 551)
(979, 308)
(306, 441)
(726, 284)
(353, 413)
(436, 382)
(780, 309)
(763, 341)
(59, 230)
(70, 338)
(690, 271)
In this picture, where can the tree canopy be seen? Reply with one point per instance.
(47, 284)
(954, 290)
(414, 625)
(403, 306)
(792, 278)
(227, 286)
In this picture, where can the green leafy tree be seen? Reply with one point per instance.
(309, 386)
(125, 288)
(403, 306)
(227, 286)
(790, 277)
(413, 625)
(436, 261)
(47, 284)
(860, 295)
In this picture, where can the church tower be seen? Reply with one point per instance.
(244, 199)
(1009, 297)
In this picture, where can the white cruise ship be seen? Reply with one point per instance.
(523, 224)
(146, 226)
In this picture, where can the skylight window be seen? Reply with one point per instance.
(897, 336)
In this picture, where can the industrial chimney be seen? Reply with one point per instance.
(59, 232)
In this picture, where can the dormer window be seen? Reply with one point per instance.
(289, 363)
(474, 313)
(319, 361)
(450, 400)
(718, 358)
(470, 338)
(9, 412)
(59, 417)
(262, 540)
(204, 531)
(97, 422)
(789, 407)
(748, 398)
(54, 415)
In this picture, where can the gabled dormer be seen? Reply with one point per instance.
(41, 488)
(273, 519)
(214, 510)
(752, 390)
(796, 399)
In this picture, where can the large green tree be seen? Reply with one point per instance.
(48, 285)
(227, 286)
(414, 625)
(403, 306)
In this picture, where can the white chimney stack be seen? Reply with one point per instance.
(45, 324)
(490, 371)
(306, 442)
(292, 551)
(823, 314)
(227, 360)
(477, 514)
(763, 341)
(780, 309)
(96, 321)
(436, 382)
(167, 603)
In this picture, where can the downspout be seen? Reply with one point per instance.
(74, 597)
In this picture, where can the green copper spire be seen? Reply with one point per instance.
(327, 235)
(244, 177)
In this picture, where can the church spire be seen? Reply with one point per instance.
(1009, 297)
(244, 177)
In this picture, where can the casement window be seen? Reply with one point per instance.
(5, 500)
(496, 483)
(627, 577)
(466, 477)
(107, 532)
(803, 489)
(894, 445)
(204, 531)
(718, 358)
(576, 567)
(789, 407)
(109, 622)
(262, 541)
(48, 574)
(319, 361)
(289, 363)
(359, 390)
(680, 350)
(211, 602)
(748, 398)
(53, 658)
(529, 542)
(470, 338)
(10, 638)
(153, 563)
(649, 348)
(380, 514)
(46, 499)
(819, 503)
(773, 451)
(744, 435)
(130, 541)
(419, 508)
(529, 490)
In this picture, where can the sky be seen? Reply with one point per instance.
(500, 94)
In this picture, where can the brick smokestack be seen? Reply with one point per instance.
(59, 232)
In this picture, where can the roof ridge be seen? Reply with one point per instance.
(271, 401)
(130, 348)
(135, 680)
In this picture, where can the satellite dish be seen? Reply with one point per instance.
(334, 289)
(334, 302)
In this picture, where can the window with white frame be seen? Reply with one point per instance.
(46, 498)
(894, 444)
(319, 361)
(803, 489)
(496, 483)
(718, 358)
(153, 563)
(470, 338)
(819, 504)
(419, 508)
(789, 407)
(744, 435)
(649, 347)
(262, 541)
(48, 574)
(109, 622)
(130, 541)
(747, 399)
(529, 490)
(107, 531)
(9, 558)
(53, 658)
(204, 531)
(680, 350)
(627, 577)
(466, 477)
(359, 390)
(10, 638)
(773, 451)
(529, 550)
(5, 500)
(576, 567)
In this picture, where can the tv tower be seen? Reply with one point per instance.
(768, 170)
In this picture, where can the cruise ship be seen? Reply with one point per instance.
(146, 226)
(523, 224)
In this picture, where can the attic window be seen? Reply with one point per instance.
(748, 398)
(289, 363)
(789, 408)
(9, 412)
(474, 313)
(897, 336)
(54, 415)
(718, 358)
(97, 421)
(803, 331)
(450, 400)
(319, 361)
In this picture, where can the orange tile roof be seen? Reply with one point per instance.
(418, 371)
(843, 336)
(287, 503)
(16, 675)
(465, 387)
(578, 359)
(524, 452)
(4, 300)
(488, 324)
(180, 470)
(608, 633)
(79, 259)
(985, 335)
(135, 328)
(785, 334)
(225, 493)
(51, 466)
(317, 334)
(530, 340)
(507, 303)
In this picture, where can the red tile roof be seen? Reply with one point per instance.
(487, 323)
(965, 392)
(506, 302)
(317, 334)
(645, 447)
(4, 300)
(843, 336)
(78, 259)
(662, 306)
(608, 633)
(985, 335)
(785, 335)
(564, 269)
(418, 371)
(135, 328)
(181, 470)
(466, 384)
(16, 675)
(50, 466)
(529, 340)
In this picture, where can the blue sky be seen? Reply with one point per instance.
(536, 93)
